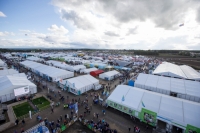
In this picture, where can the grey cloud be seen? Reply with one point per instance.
(82, 23)
(164, 13)
(109, 33)
(132, 31)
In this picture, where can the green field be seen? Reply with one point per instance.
(40, 102)
(22, 109)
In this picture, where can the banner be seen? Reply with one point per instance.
(76, 107)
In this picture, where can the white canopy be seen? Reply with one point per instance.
(2, 63)
(185, 89)
(82, 83)
(176, 111)
(172, 70)
(54, 73)
(88, 70)
(33, 58)
(109, 75)
(9, 83)
(8, 72)
(65, 66)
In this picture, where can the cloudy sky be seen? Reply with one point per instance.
(110, 24)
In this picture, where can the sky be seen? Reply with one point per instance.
(100, 24)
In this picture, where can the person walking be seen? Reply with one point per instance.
(60, 117)
(51, 110)
(16, 121)
(129, 129)
(103, 111)
(23, 121)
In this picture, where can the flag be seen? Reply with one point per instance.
(76, 107)
(143, 104)
(123, 99)
(181, 24)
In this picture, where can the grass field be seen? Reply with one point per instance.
(40, 102)
(22, 109)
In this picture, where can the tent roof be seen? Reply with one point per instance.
(97, 71)
(7, 82)
(181, 86)
(47, 70)
(174, 109)
(172, 70)
(111, 73)
(122, 63)
(81, 81)
(33, 58)
(89, 70)
(8, 72)
(1, 63)
(190, 72)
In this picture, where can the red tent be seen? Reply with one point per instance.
(96, 73)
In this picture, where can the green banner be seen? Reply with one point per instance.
(192, 129)
(148, 116)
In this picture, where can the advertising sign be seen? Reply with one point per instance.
(148, 116)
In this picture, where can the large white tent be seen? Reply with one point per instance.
(51, 73)
(16, 75)
(109, 75)
(65, 66)
(8, 72)
(79, 85)
(9, 83)
(172, 70)
(87, 71)
(185, 89)
(2, 63)
(136, 102)
(33, 58)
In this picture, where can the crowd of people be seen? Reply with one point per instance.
(100, 124)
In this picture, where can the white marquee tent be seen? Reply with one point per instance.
(9, 83)
(65, 66)
(185, 89)
(109, 75)
(2, 63)
(33, 58)
(87, 71)
(172, 70)
(178, 112)
(47, 71)
(79, 85)
(8, 72)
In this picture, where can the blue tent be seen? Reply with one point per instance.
(131, 83)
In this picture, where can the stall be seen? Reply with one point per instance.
(96, 73)
(79, 85)
(87, 71)
(109, 75)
